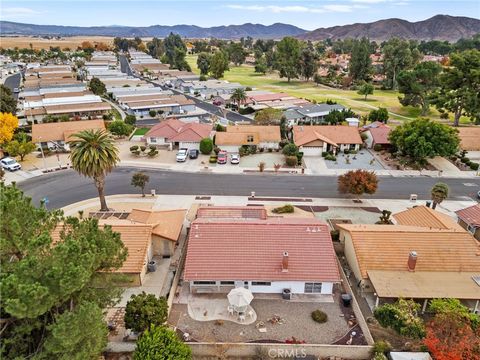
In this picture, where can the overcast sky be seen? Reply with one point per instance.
(305, 14)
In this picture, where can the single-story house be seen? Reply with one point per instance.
(469, 219)
(313, 140)
(378, 136)
(267, 137)
(166, 228)
(174, 132)
(425, 216)
(232, 212)
(263, 255)
(137, 238)
(420, 262)
(58, 134)
(469, 138)
(310, 113)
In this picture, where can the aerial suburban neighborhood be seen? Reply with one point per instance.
(278, 180)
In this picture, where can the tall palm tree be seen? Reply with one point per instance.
(439, 193)
(94, 155)
(239, 96)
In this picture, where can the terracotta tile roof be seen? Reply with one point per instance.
(61, 131)
(426, 217)
(332, 134)
(380, 135)
(232, 212)
(469, 138)
(386, 247)
(238, 134)
(269, 97)
(166, 223)
(70, 108)
(135, 237)
(192, 132)
(470, 215)
(165, 129)
(253, 250)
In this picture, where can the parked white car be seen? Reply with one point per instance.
(234, 159)
(10, 164)
(182, 155)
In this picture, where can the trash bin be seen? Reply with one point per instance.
(346, 299)
(428, 203)
(152, 266)
(286, 294)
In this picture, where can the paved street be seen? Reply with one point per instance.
(12, 82)
(67, 187)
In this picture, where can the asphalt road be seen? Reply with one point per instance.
(68, 187)
(12, 82)
(230, 115)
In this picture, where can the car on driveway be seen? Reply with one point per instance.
(222, 157)
(234, 159)
(193, 153)
(182, 155)
(478, 194)
(10, 164)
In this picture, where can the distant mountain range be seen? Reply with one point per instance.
(274, 31)
(439, 27)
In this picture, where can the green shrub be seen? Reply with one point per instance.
(152, 153)
(152, 147)
(319, 316)
(216, 150)
(377, 147)
(220, 128)
(130, 119)
(136, 152)
(290, 149)
(120, 128)
(246, 111)
(134, 148)
(206, 146)
(152, 113)
(325, 153)
(243, 151)
(335, 234)
(291, 160)
(402, 317)
(202, 78)
(465, 160)
(346, 151)
(285, 209)
(381, 347)
(353, 152)
(474, 165)
(330, 157)
(283, 142)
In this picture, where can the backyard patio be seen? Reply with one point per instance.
(277, 320)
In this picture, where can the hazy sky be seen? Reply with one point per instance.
(305, 14)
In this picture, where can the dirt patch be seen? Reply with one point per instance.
(398, 342)
(64, 42)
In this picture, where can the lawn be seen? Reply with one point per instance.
(116, 114)
(140, 131)
(245, 75)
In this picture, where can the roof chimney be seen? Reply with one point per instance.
(285, 261)
(412, 260)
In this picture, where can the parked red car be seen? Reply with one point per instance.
(222, 157)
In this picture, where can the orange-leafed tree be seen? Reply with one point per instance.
(451, 337)
(87, 45)
(8, 124)
(358, 182)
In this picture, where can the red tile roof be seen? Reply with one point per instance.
(470, 215)
(232, 212)
(380, 135)
(165, 129)
(193, 132)
(253, 250)
(269, 97)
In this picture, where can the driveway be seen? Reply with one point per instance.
(362, 160)
(444, 165)
(316, 164)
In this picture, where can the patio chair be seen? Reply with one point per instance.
(250, 314)
(241, 317)
(230, 310)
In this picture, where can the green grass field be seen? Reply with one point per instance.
(140, 131)
(245, 75)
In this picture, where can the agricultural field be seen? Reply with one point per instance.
(39, 43)
(309, 90)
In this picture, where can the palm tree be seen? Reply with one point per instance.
(94, 155)
(439, 193)
(238, 96)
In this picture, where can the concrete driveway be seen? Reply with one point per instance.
(270, 159)
(444, 165)
(316, 164)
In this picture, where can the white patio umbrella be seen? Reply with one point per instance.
(240, 298)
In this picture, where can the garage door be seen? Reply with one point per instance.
(312, 150)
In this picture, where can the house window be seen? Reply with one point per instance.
(313, 288)
(471, 229)
(153, 140)
(261, 283)
(204, 283)
(249, 138)
(227, 283)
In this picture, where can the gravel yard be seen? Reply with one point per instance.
(296, 322)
